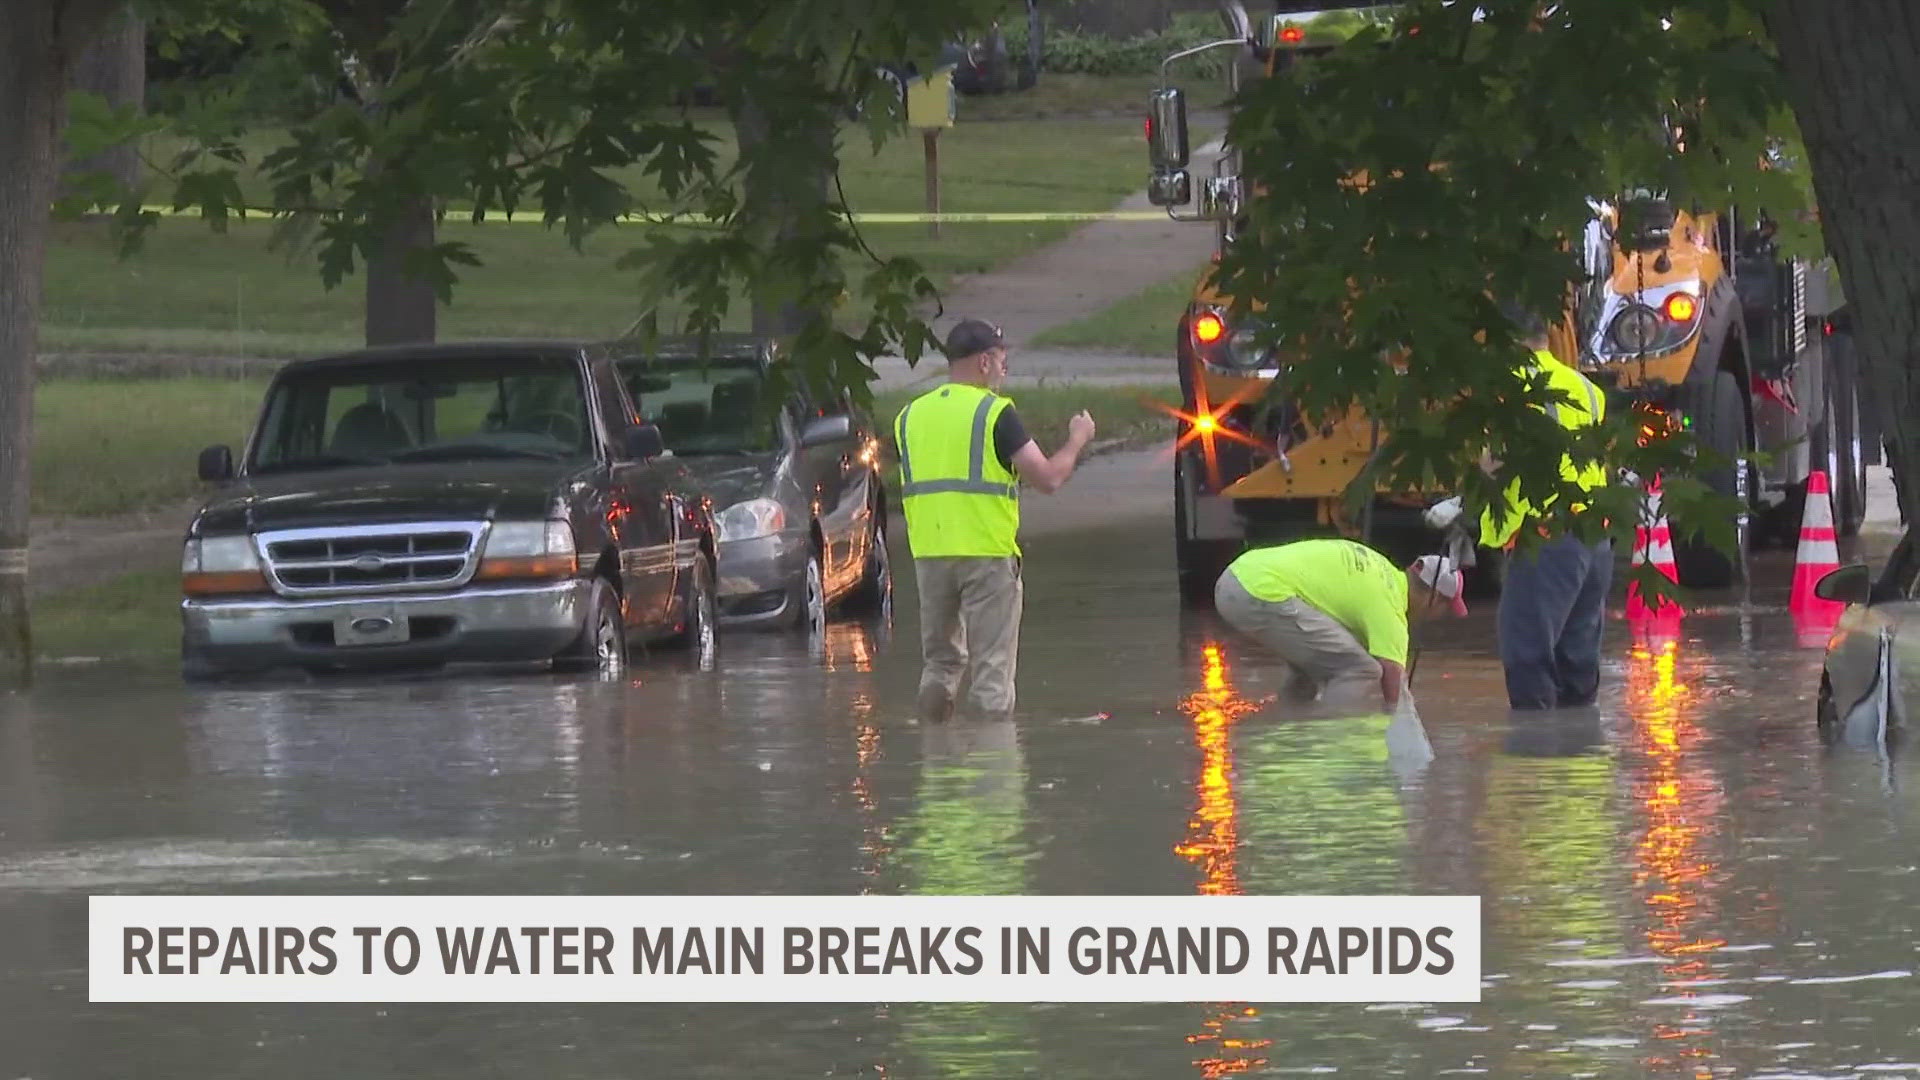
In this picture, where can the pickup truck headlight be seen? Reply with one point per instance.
(221, 565)
(751, 520)
(529, 549)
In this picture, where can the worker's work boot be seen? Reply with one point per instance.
(936, 704)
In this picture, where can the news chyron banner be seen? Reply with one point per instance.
(580, 949)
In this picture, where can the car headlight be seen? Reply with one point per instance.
(1658, 320)
(751, 520)
(529, 549)
(1237, 349)
(1636, 329)
(1244, 350)
(216, 565)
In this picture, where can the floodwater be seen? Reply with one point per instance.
(1689, 884)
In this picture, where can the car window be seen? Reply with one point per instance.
(616, 408)
(715, 405)
(1900, 578)
(438, 408)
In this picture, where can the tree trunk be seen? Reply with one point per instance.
(1856, 93)
(33, 91)
(401, 306)
(785, 199)
(115, 66)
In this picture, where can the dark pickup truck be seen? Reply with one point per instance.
(488, 502)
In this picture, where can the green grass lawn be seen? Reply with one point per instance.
(114, 446)
(129, 615)
(192, 291)
(1119, 412)
(1140, 325)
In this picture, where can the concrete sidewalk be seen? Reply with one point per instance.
(1039, 367)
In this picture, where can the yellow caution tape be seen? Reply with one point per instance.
(882, 218)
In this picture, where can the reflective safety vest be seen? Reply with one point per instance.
(1562, 378)
(958, 498)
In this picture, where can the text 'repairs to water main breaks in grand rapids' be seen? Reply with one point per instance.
(782, 949)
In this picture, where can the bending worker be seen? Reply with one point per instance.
(1335, 612)
(1553, 599)
(963, 453)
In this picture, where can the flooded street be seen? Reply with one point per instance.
(1688, 884)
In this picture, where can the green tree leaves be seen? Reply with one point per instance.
(1406, 179)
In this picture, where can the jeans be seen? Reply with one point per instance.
(1552, 613)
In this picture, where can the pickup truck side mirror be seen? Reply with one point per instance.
(1848, 585)
(216, 464)
(643, 442)
(826, 429)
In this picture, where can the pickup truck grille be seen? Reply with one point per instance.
(371, 558)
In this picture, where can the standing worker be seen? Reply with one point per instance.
(1335, 611)
(1553, 599)
(963, 453)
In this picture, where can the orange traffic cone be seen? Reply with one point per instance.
(1653, 542)
(1819, 555)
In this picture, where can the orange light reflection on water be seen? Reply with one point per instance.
(1212, 842)
(1676, 798)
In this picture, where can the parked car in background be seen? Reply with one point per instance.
(795, 484)
(1882, 611)
(478, 502)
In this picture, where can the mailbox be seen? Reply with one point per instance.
(932, 101)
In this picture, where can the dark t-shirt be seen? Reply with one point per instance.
(1009, 435)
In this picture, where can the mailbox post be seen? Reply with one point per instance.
(931, 106)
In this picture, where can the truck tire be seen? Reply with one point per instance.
(602, 645)
(1720, 423)
(1199, 562)
(700, 633)
(1849, 481)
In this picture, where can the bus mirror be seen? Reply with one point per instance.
(1169, 188)
(1167, 129)
(1221, 198)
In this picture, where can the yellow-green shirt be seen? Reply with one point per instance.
(1354, 584)
(1589, 407)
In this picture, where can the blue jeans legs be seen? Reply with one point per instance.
(1552, 614)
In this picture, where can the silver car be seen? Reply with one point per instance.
(795, 484)
(1872, 675)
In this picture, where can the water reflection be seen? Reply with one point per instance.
(1212, 842)
(966, 835)
(1678, 798)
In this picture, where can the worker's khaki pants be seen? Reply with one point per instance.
(1322, 658)
(969, 627)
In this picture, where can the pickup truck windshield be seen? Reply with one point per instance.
(437, 409)
(702, 405)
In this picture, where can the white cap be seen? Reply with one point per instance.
(1439, 573)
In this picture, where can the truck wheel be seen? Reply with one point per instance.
(1198, 562)
(700, 634)
(602, 645)
(874, 594)
(1721, 425)
(1849, 481)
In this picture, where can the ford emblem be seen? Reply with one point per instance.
(367, 564)
(371, 625)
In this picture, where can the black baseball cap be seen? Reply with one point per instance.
(973, 337)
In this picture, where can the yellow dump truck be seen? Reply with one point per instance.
(1692, 316)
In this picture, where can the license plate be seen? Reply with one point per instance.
(370, 626)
